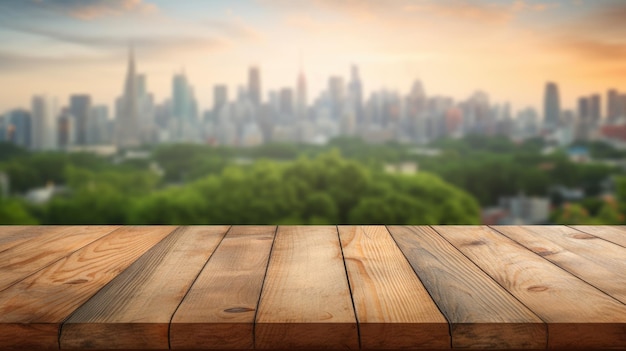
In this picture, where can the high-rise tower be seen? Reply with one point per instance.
(301, 103)
(127, 124)
(552, 106)
(254, 86)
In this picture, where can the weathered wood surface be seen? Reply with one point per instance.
(305, 302)
(614, 234)
(578, 315)
(32, 310)
(220, 308)
(312, 287)
(392, 306)
(562, 246)
(51, 244)
(134, 310)
(482, 314)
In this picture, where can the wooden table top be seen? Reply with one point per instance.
(312, 287)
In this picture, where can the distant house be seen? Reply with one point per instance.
(43, 195)
(520, 209)
(402, 168)
(578, 154)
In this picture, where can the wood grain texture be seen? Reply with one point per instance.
(615, 234)
(43, 300)
(51, 245)
(134, 310)
(588, 265)
(305, 302)
(578, 315)
(392, 306)
(11, 235)
(218, 312)
(481, 313)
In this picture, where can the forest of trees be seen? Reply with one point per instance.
(340, 183)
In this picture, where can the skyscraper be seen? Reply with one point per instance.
(584, 110)
(44, 125)
(80, 106)
(336, 95)
(594, 108)
(301, 103)
(356, 93)
(127, 133)
(220, 98)
(286, 103)
(612, 105)
(19, 129)
(552, 106)
(254, 86)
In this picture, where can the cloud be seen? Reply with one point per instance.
(598, 35)
(78, 9)
(233, 29)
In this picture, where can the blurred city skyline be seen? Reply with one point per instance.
(508, 49)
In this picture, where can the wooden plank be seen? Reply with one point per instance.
(28, 257)
(218, 312)
(393, 308)
(615, 234)
(578, 315)
(134, 310)
(560, 245)
(11, 235)
(32, 310)
(481, 313)
(305, 302)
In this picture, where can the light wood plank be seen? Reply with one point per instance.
(37, 305)
(218, 312)
(591, 268)
(615, 234)
(392, 306)
(134, 310)
(481, 313)
(28, 257)
(578, 314)
(11, 235)
(305, 302)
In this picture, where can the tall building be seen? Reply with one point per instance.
(336, 96)
(612, 105)
(19, 128)
(595, 108)
(66, 134)
(80, 107)
(286, 103)
(43, 123)
(301, 97)
(355, 88)
(220, 97)
(254, 86)
(184, 109)
(551, 106)
(127, 123)
(584, 110)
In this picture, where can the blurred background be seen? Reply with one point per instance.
(312, 112)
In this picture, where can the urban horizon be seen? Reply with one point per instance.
(508, 49)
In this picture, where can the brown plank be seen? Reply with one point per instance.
(32, 310)
(134, 310)
(613, 233)
(218, 312)
(305, 302)
(11, 235)
(560, 245)
(481, 313)
(393, 308)
(578, 315)
(54, 243)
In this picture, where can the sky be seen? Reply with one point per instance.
(508, 49)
